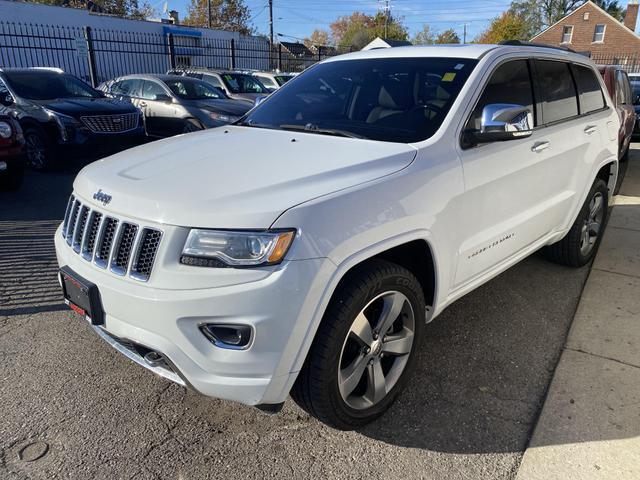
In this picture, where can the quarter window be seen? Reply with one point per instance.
(567, 33)
(598, 33)
(556, 84)
(591, 98)
(510, 83)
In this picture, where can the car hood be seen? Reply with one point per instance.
(88, 106)
(231, 107)
(235, 177)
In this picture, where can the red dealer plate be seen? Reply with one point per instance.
(82, 296)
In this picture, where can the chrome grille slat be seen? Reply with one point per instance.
(67, 213)
(89, 242)
(81, 223)
(121, 246)
(111, 123)
(72, 221)
(145, 255)
(105, 242)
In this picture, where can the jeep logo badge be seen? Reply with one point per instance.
(102, 197)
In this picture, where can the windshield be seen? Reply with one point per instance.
(243, 83)
(44, 85)
(390, 99)
(190, 89)
(282, 79)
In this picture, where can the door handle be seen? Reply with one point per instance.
(589, 129)
(540, 146)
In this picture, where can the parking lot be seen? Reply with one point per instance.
(74, 408)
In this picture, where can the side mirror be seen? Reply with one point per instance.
(161, 97)
(503, 121)
(6, 99)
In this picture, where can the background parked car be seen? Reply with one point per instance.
(634, 78)
(59, 113)
(176, 104)
(11, 153)
(273, 80)
(237, 85)
(619, 87)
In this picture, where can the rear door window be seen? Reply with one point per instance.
(591, 97)
(560, 100)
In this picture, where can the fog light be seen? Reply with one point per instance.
(235, 337)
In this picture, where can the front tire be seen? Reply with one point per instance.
(365, 346)
(38, 149)
(579, 246)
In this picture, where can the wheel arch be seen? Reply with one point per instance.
(400, 249)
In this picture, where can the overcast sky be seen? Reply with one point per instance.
(298, 18)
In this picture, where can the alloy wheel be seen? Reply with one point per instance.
(376, 350)
(35, 150)
(592, 224)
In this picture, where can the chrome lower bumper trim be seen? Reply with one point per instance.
(135, 357)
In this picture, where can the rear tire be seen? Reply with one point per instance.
(579, 246)
(365, 346)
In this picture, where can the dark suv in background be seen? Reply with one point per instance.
(62, 115)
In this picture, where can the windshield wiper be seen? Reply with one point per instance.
(310, 128)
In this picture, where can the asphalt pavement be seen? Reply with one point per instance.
(71, 407)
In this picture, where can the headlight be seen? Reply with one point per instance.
(220, 117)
(222, 248)
(5, 130)
(63, 121)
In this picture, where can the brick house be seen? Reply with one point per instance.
(591, 30)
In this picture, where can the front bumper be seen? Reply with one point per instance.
(277, 305)
(83, 141)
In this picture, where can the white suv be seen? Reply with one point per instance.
(303, 249)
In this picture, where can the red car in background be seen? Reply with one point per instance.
(12, 160)
(619, 87)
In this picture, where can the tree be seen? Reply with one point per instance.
(530, 12)
(612, 7)
(448, 36)
(424, 37)
(123, 8)
(340, 26)
(507, 26)
(225, 15)
(318, 37)
(358, 29)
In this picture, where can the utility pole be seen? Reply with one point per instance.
(209, 13)
(271, 21)
(387, 12)
(464, 32)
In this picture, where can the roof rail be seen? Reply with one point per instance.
(520, 43)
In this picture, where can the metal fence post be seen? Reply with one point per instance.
(172, 52)
(91, 57)
(319, 53)
(233, 53)
(280, 56)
